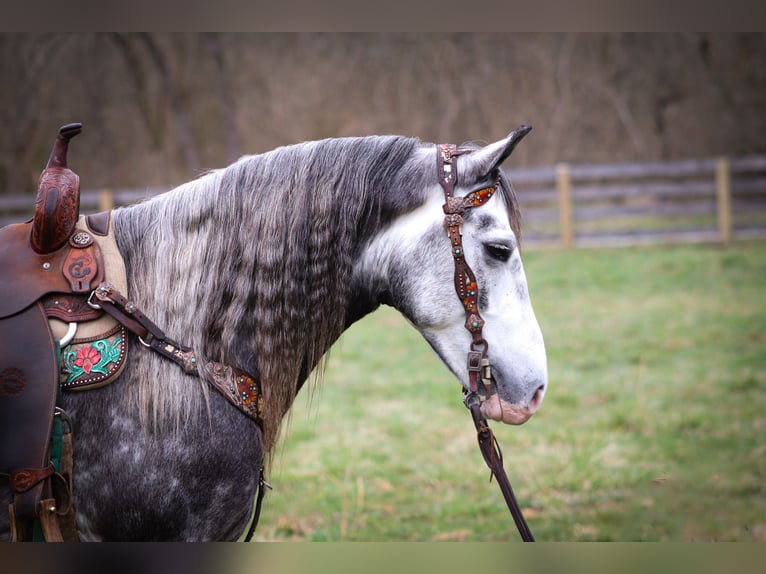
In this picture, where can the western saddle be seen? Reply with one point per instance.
(51, 264)
(64, 322)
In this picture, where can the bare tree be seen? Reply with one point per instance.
(215, 48)
(153, 118)
(162, 105)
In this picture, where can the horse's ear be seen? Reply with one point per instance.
(478, 165)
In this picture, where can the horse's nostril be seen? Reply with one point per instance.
(537, 399)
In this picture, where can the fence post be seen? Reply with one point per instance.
(105, 200)
(564, 187)
(723, 194)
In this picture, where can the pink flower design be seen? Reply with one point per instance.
(87, 358)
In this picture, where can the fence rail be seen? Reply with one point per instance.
(716, 199)
(15, 208)
(706, 200)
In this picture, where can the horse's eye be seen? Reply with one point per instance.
(499, 252)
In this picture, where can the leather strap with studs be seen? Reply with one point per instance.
(239, 388)
(466, 286)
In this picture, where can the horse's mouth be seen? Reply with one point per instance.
(497, 409)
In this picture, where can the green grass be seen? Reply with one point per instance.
(653, 427)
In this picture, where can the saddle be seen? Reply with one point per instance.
(64, 322)
(51, 264)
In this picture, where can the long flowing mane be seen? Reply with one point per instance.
(251, 264)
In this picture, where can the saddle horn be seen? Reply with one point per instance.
(58, 197)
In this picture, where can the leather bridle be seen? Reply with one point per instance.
(467, 291)
(465, 280)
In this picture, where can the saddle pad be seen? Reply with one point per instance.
(114, 272)
(114, 266)
(98, 355)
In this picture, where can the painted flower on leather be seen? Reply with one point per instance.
(86, 362)
(87, 358)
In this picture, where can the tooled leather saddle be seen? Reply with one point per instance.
(50, 265)
(64, 322)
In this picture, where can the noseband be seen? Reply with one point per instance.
(467, 291)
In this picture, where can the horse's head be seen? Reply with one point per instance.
(413, 269)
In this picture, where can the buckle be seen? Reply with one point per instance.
(470, 398)
(475, 361)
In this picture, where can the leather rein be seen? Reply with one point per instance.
(479, 368)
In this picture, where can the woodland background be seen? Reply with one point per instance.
(653, 426)
(158, 109)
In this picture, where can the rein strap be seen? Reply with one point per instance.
(490, 450)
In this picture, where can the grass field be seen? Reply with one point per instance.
(653, 428)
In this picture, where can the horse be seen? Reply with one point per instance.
(263, 264)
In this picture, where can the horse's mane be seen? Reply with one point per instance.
(250, 264)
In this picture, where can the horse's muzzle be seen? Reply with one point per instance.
(495, 408)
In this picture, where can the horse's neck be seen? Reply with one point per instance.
(393, 259)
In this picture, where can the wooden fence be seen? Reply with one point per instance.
(708, 200)
(15, 208)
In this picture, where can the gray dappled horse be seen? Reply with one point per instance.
(263, 265)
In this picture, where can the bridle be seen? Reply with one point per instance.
(479, 368)
(465, 280)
